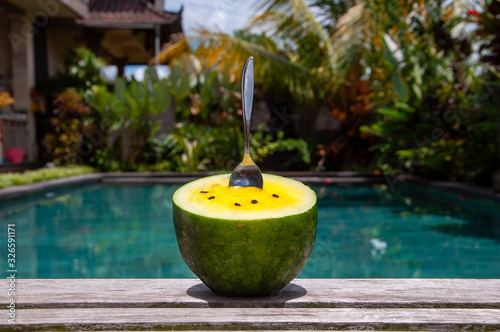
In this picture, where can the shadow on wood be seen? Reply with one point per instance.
(277, 300)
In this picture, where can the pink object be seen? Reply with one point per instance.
(15, 155)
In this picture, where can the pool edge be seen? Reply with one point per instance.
(316, 178)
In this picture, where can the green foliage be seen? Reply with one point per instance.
(407, 68)
(85, 66)
(208, 136)
(331, 11)
(197, 147)
(198, 96)
(128, 109)
(68, 124)
(213, 138)
(43, 174)
(298, 52)
(71, 116)
(263, 145)
(130, 103)
(118, 133)
(260, 39)
(439, 121)
(489, 23)
(105, 159)
(419, 58)
(82, 71)
(192, 147)
(202, 94)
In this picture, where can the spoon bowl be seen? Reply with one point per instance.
(247, 174)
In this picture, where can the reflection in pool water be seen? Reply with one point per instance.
(97, 231)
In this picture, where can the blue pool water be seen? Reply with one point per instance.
(99, 231)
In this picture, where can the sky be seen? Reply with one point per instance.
(219, 15)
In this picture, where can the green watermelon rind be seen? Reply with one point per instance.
(245, 257)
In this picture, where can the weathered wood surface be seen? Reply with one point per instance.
(258, 318)
(301, 293)
(390, 304)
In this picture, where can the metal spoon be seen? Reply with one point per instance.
(247, 174)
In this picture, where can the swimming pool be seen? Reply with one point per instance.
(107, 231)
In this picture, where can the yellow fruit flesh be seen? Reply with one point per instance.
(289, 197)
(211, 197)
(224, 197)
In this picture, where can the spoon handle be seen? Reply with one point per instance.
(246, 100)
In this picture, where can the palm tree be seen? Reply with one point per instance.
(303, 55)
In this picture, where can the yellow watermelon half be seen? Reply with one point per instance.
(245, 241)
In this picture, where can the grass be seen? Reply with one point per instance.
(42, 174)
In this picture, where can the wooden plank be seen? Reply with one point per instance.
(256, 318)
(301, 293)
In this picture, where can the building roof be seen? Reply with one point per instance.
(113, 13)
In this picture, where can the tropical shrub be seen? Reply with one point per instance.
(62, 143)
(65, 127)
(203, 95)
(192, 147)
(128, 112)
(208, 133)
(42, 174)
(264, 144)
(437, 122)
(82, 70)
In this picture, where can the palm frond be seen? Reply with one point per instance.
(176, 48)
(229, 54)
(350, 32)
(293, 20)
(304, 58)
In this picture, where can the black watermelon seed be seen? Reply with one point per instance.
(204, 192)
(211, 197)
(254, 201)
(274, 195)
(237, 204)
